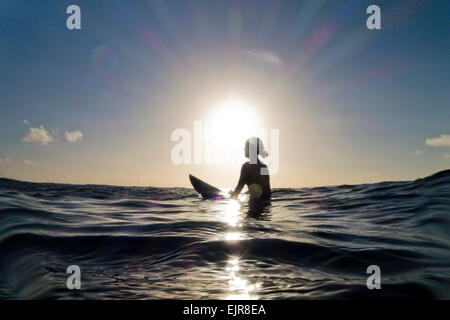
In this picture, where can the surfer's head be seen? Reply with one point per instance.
(254, 147)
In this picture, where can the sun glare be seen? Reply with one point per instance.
(230, 124)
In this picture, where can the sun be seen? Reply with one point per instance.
(229, 124)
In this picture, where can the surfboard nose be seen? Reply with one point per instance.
(206, 190)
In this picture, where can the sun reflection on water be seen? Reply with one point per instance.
(239, 288)
(233, 236)
(232, 214)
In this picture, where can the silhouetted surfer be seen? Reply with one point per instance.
(254, 173)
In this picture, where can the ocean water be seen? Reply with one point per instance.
(167, 243)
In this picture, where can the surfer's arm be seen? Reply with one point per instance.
(241, 182)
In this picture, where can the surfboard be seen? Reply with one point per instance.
(206, 190)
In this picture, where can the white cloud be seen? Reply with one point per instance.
(265, 56)
(442, 141)
(418, 151)
(74, 136)
(26, 122)
(5, 160)
(39, 135)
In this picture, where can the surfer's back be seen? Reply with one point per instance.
(257, 182)
(255, 175)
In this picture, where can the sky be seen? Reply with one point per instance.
(102, 105)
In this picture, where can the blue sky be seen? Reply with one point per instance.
(352, 105)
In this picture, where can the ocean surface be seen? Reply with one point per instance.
(167, 243)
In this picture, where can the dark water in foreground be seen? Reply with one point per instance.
(156, 243)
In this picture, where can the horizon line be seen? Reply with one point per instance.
(438, 173)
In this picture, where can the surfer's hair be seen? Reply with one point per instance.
(257, 144)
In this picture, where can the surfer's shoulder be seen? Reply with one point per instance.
(245, 166)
